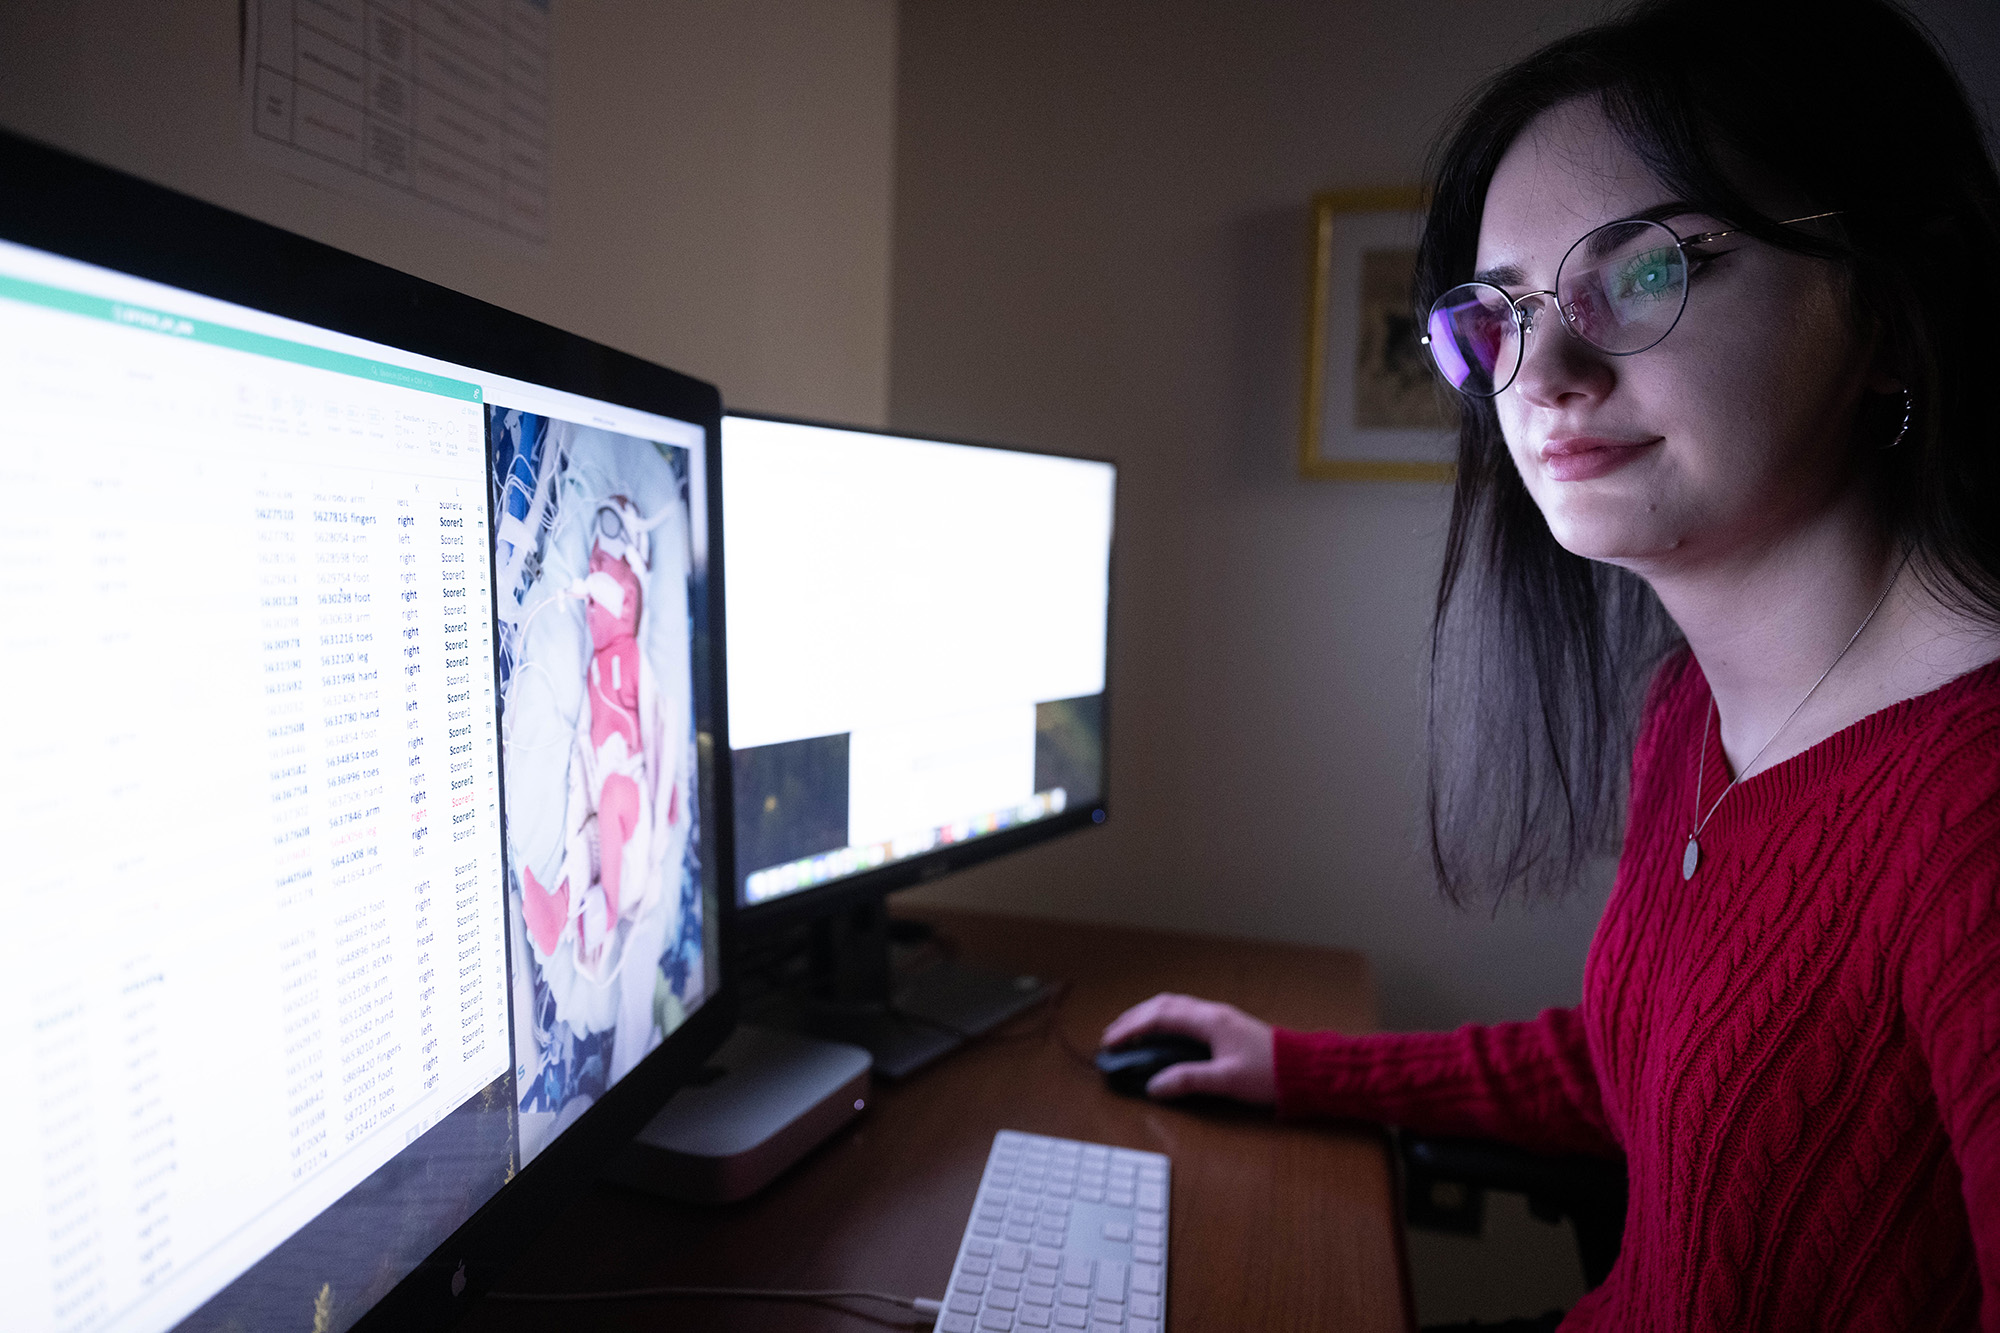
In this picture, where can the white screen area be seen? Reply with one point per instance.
(921, 598)
(254, 938)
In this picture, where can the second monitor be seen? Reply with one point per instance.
(918, 635)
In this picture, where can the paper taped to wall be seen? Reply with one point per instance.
(438, 104)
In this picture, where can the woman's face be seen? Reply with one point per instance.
(1726, 438)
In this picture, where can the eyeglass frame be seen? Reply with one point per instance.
(1524, 321)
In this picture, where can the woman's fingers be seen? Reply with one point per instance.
(1194, 1076)
(1165, 1012)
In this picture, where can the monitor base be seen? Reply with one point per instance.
(932, 1013)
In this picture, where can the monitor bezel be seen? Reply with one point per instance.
(58, 203)
(770, 919)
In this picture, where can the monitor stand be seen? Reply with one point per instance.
(856, 996)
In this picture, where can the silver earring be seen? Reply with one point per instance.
(1909, 409)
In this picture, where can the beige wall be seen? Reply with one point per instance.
(1100, 246)
(721, 174)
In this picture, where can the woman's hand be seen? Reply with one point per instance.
(1240, 1065)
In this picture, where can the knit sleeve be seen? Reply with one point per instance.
(1951, 980)
(1529, 1084)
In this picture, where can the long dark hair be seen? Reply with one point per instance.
(1539, 658)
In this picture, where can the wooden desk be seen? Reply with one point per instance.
(1275, 1226)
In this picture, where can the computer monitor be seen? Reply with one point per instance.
(918, 643)
(362, 642)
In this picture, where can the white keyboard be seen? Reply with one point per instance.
(1064, 1235)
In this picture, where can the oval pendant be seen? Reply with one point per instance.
(1690, 858)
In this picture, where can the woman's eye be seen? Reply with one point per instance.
(1650, 276)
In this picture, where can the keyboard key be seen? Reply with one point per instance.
(1148, 1236)
(1152, 1196)
(999, 1321)
(975, 1265)
(1076, 1272)
(1109, 1312)
(1013, 1258)
(1149, 1254)
(1036, 1294)
(1042, 1256)
(957, 1323)
(1033, 1317)
(1107, 1326)
(962, 1303)
(1118, 1231)
(1005, 1281)
(1142, 1326)
(1144, 1306)
(1020, 1234)
(1118, 1198)
(1067, 1317)
(987, 1230)
(1111, 1281)
(982, 1248)
(1003, 1300)
(1048, 1236)
(1146, 1278)
(1076, 1296)
(1090, 1193)
(971, 1282)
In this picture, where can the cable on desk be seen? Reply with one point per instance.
(920, 1304)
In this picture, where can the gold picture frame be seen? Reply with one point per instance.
(1373, 410)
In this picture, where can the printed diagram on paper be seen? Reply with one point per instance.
(439, 104)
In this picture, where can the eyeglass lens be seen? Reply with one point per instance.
(1620, 289)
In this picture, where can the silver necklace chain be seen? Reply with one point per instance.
(1691, 858)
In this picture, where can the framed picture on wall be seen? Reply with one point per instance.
(1374, 409)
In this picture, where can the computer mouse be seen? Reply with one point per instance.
(1128, 1066)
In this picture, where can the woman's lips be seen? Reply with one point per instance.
(1581, 457)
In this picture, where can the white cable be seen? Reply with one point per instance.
(919, 1304)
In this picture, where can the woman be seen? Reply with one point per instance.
(1720, 288)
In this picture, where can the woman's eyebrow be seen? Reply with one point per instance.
(1506, 275)
(1670, 209)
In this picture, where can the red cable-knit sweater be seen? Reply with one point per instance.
(1797, 1054)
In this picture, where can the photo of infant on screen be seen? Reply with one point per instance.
(593, 580)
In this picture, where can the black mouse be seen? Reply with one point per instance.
(1128, 1066)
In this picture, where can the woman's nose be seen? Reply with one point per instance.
(1556, 365)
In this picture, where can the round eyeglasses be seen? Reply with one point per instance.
(1621, 288)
